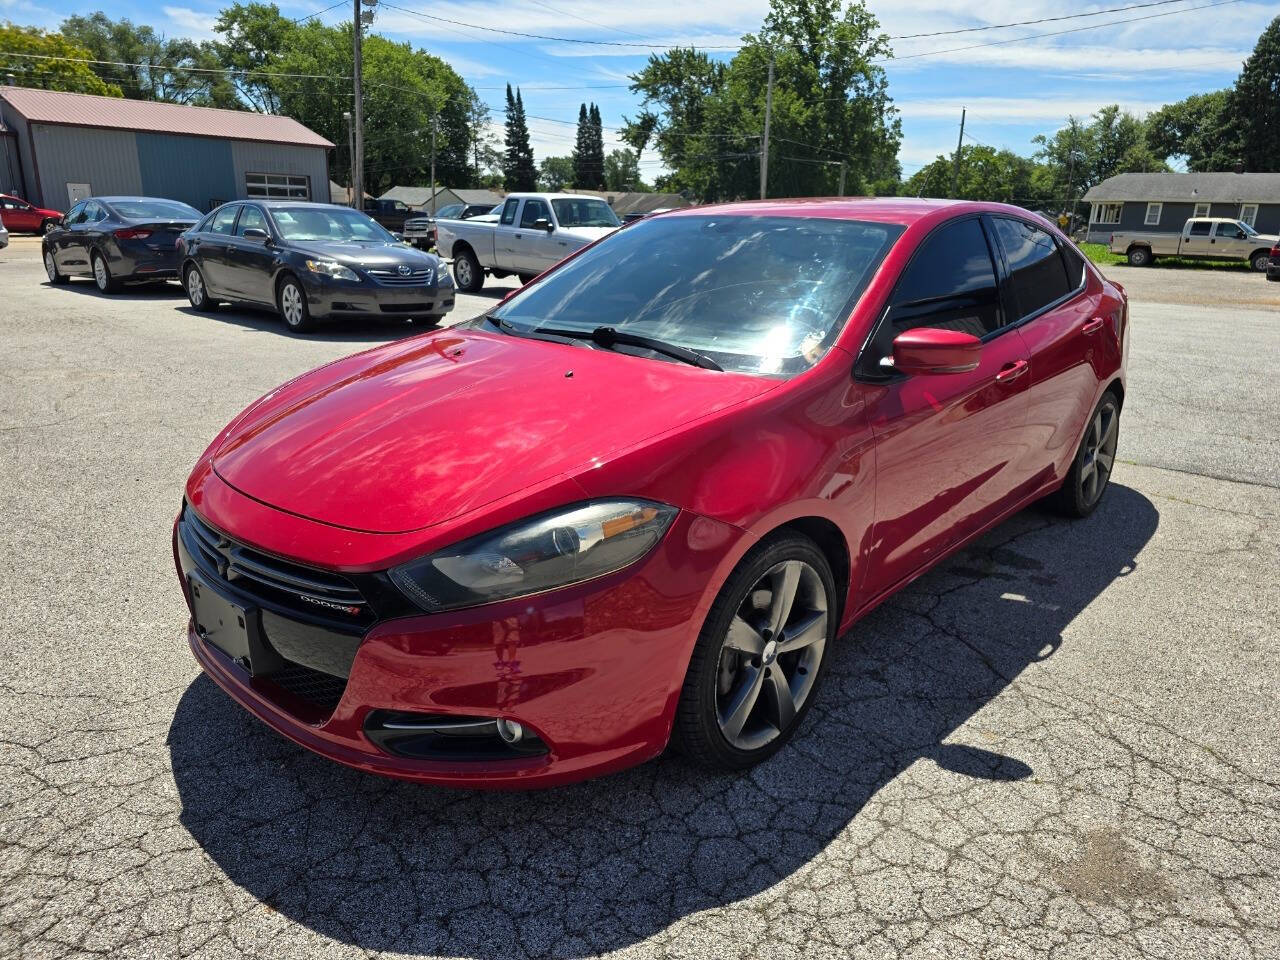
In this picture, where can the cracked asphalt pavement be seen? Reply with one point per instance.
(1063, 742)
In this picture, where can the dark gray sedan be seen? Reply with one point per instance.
(116, 240)
(310, 261)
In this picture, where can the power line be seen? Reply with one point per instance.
(1029, 23)
(308, 16)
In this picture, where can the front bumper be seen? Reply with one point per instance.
(330, 298)
(593, 671)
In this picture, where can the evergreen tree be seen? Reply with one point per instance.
(582, 149)
(597, 149)
(1257, 104)
(519, 172)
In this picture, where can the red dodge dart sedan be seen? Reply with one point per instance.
(640, 499)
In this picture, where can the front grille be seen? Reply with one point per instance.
(405, 307)
(417, 277)
(317, 689)
(276, 583)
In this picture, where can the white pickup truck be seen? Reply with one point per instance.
(1203, 238)
(533, 232)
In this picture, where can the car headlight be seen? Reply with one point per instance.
(552, 550)
(443, 277)
(332, 269)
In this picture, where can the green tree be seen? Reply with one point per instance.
(1082, 154)
(148, 66)
(1257, 103)
(555, 173)
(985, 173)
(519, 172)
(637, 133)
(830, 104)
(253, 38)
(57, 74)
(582, 150)
(622, 171)
(1198, 130)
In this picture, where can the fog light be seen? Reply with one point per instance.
(510, 731)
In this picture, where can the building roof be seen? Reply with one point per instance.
(114, 113)
(624, 202)
(413, 196)
(1202, 187)
(478, 196)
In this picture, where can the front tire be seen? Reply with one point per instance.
(1086, 481)
(51, 268)
(760, 656)
(197, 290)
(468, 275)
(1140, 257)
(526, 278)
(291, 300)
(102, 275)
(1261, 260)
(46, 226)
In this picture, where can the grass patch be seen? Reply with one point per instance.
(1099, 254)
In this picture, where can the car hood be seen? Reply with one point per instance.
(589, 234)
(419, 432)
(364, 254)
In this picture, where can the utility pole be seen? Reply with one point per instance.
(955, 169)
(1071, 175)
(843, 166)
(435, 122)
(351, 160)
(764, 144)
(362, 18)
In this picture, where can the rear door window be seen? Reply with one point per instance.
(1200, 228)
(1037, 272)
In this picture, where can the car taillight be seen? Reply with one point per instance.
(132, 233)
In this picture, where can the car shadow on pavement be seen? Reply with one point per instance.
(390, 866)
(347, 330)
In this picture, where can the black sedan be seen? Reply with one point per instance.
(310, 262)
(117, 239)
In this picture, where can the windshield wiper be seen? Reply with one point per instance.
(608, 337)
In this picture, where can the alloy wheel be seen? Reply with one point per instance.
(770, 657)
(291, 304)
(1099, 452)
(50, 267)
(100, 274)
(462, 267)
(195, 287)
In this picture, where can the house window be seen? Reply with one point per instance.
(1202, 210)
(1249, 213)
(1153, 214)
(277, 186)
(1107, 212)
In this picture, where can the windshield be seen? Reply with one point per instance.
(154, 210)
(762, 295)
(579, 212)
(335, 225)
(1249, 231)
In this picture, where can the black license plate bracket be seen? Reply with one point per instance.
(233, 628)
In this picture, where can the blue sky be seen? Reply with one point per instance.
(1012, 91)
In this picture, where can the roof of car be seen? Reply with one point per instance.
(902, 210)
(123, 199)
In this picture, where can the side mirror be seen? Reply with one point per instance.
(542, 223)
(398, 235)
(256, 233)
(930, 350)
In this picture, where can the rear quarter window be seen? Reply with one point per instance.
(1037, 272)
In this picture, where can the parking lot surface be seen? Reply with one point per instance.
(1061, 743)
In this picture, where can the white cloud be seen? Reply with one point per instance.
(193, 23)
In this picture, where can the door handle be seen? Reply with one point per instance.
(1093, 326)
(517, 236)
(1012, 371)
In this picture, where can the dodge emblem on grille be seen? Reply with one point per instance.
(329, 604)
(404, 271)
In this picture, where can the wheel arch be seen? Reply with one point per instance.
(459, 246)
(1138, 245)
(1266, 251)
(829, 539)
(1116, 386)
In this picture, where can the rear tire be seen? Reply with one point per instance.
(102, 275)
(760, 656)
(468, 275)
(526, 278)
(1261, 260)
(47, 226)
(1086, 480)
(291, 300)
(197, 291)
(55, 275)
(1140, 257)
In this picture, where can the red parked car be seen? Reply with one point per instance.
(19, 216)
(642, 497)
